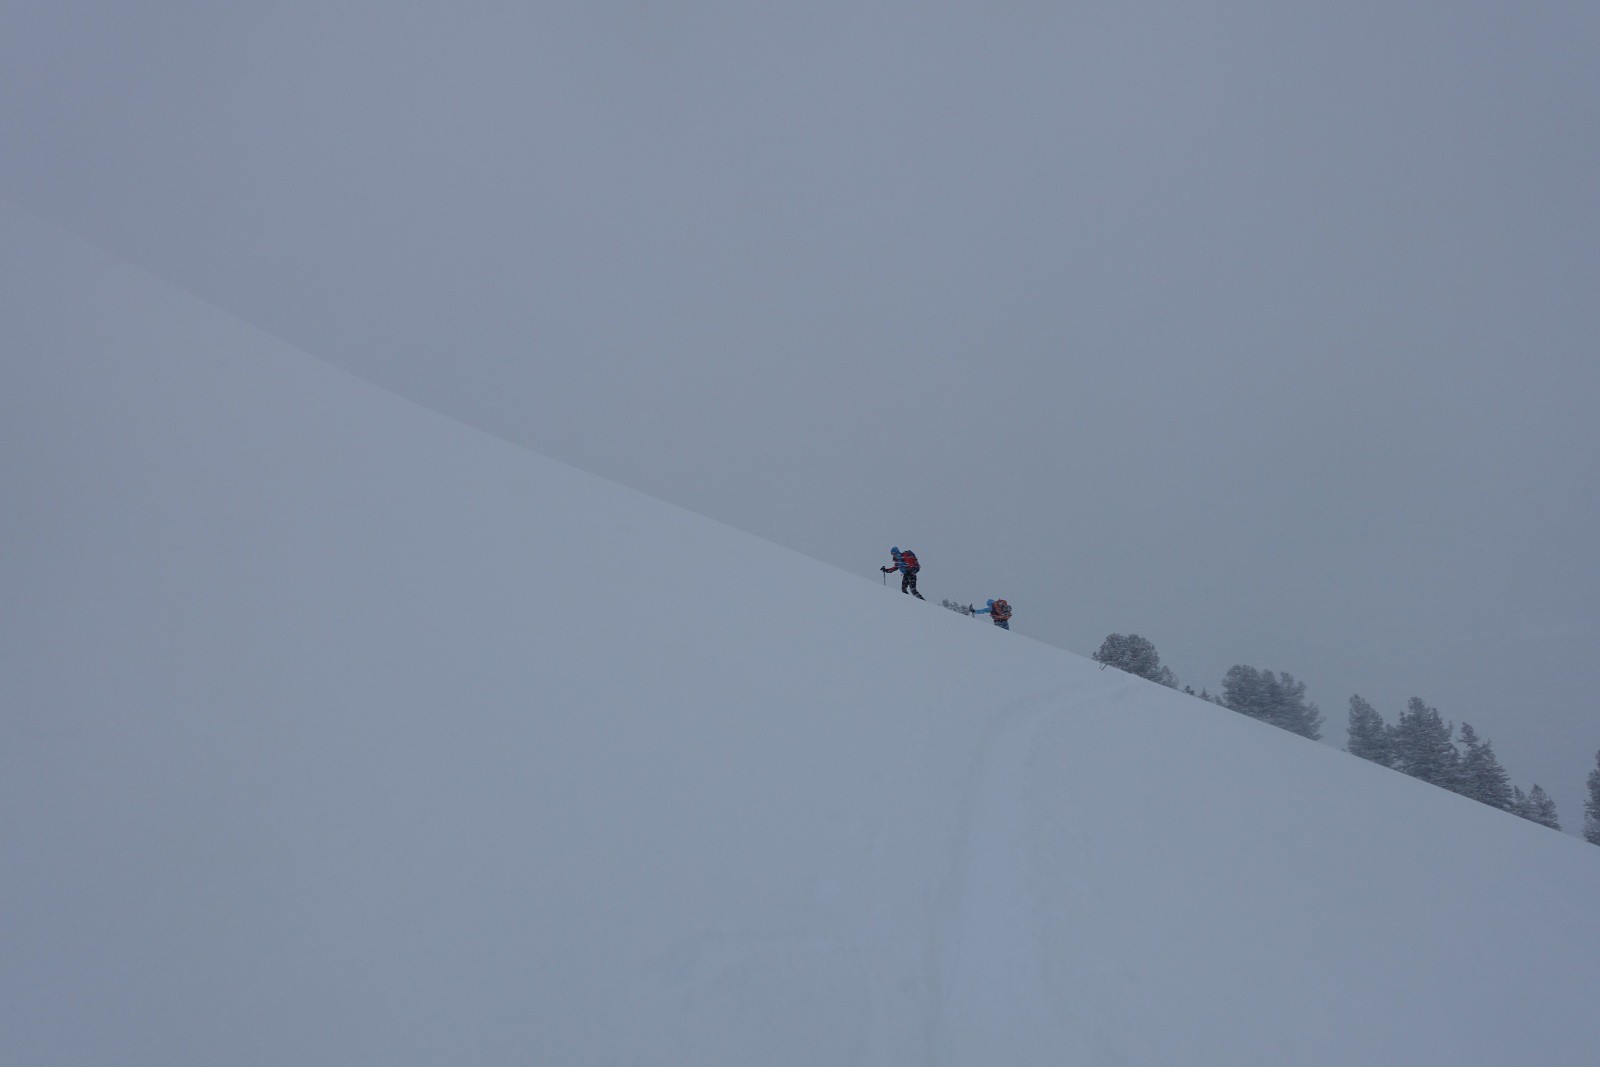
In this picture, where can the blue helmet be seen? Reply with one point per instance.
(991, 603)
(894, 552)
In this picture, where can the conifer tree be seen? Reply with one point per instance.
(1368, 735)
(1542, 809)
(1422, 745)
(1136, 655)
(1274, 698)
(1480, 775)
(1535, 806)
(1591, 807)
(1519, 802)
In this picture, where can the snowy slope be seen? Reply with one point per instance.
(338, 733)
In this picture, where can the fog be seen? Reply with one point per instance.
(1267, 333)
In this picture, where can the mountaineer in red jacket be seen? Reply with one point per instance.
(906, 563)
(999, 611)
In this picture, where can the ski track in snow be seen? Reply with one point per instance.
(992, 948)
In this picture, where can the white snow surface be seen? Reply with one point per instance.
(339, 733)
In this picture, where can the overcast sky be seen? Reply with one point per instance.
(1265, 331)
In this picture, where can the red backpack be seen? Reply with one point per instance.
(1001, 609)
(908, 559)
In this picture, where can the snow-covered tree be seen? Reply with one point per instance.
(1519, 802)
(1591, 807)
(1535, 806)
(1274, 698)
(1479, 774)
(1369, 735)
(1423, 746)
(1136, 655)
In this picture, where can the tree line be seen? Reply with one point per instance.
(1420, 743)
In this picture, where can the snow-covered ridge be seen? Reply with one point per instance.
(341, 733)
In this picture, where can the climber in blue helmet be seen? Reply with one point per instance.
(906, 563)
(999, 611)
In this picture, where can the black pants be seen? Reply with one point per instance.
(908, 583)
